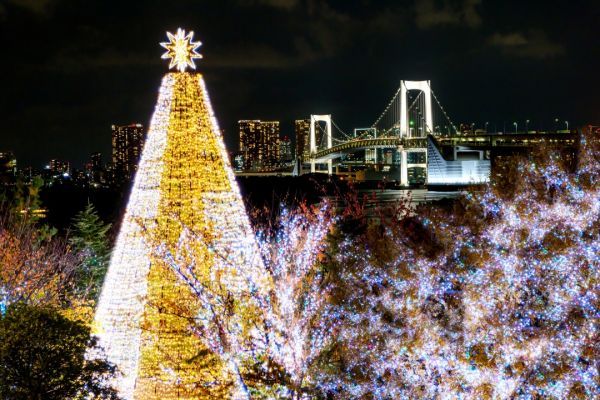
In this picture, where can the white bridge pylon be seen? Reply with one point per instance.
(423, 86)
(406, 132)
(314, 119)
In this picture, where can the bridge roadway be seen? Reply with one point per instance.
(509, 140)
(490, 140)
(369, 143)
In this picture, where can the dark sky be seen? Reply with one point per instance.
(71, 68)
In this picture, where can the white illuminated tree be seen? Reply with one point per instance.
(289, 310)
(496, 297)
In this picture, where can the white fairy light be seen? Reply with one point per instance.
(121, 304)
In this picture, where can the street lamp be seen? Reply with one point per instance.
(516, 126)
(526, 126)
(556, 123)
(567, 123)
(486, 125)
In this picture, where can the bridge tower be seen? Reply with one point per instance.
(423, 86)
(314, 119)
(405, 86)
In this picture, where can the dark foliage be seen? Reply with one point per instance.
(43, 356)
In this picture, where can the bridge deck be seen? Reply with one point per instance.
(479, 141)
(361, 144)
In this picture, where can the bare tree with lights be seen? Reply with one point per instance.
(35, 267)
(268, 336)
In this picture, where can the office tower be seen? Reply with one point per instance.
(270, 130)
(285, 150)
(250, 136)
(302, 131)
(127, 144)
(94, 171)
(259, 143)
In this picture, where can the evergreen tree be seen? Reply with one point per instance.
(90, 239)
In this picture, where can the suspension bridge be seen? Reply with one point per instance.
(413, 113)
(410, 134)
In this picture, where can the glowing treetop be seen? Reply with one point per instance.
(181, 50)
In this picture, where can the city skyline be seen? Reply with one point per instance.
(107, 156)
(345, 60)
(433, 251)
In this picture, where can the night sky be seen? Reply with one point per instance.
(71, 68)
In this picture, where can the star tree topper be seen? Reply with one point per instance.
(181, 50)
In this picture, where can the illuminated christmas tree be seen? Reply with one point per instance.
(184, 181)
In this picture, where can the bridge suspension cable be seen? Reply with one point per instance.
(340, 130)
(389, 119)
(322, 135)
(391, 115)
(443, 110)
(387, 108)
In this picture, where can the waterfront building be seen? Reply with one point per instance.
(127, 144)
(259, 144)
(285, 151)
(302, 132)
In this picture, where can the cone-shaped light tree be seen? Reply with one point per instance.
(184, 179)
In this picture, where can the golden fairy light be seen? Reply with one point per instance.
(181, 50)
(184, 179)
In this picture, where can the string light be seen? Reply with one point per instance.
(184, 180)
(121, 304)
(507, 308)
(181, 50)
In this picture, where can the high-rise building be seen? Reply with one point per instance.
(259, 143)
(270, 131)
(285, 150)
(250, 142)
(94, 171)
(57, 172)
(127, 144)
(302, 131)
